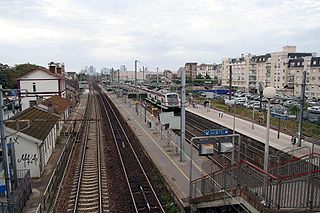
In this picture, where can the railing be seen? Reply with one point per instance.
(294, 191)
(39, 209)
(20, 196)
(301, 165)
(57, 174)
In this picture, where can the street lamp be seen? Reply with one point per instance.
(268, 92)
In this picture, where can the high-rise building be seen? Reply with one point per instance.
(191, 70)
(123, 68)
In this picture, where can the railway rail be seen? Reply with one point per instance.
(144, 198)
(85, 189)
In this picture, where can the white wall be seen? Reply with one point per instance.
(46, 85)
(27, 156)
(27, 151)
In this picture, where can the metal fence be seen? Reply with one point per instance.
(56, 177)
(298, 191)
(21, 194)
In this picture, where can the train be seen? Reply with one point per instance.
(162, 98)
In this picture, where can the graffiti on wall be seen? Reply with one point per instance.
(28, 159)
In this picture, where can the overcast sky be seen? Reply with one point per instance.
(159, 33)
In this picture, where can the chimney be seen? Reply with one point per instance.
(52, 67)
(50, 107)
(39, 99)
(59, 70)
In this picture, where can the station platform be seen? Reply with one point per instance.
(258, 132)
(39, 185)
(163, 150)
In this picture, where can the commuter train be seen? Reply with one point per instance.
(163, 98)
(168, 101)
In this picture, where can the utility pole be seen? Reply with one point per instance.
(303, 89)
(4, 147)
(135, 74)
(118, 83)
(230, 81)
(112, 76)
(183, 115)
(143, 74)
(157, 76)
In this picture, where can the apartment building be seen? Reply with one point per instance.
(239, 69)
(191, 70)
(296, 66)
(270, 69)
(212, 70)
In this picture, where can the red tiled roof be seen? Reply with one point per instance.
(59, 103)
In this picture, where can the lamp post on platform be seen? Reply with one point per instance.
(268, 92)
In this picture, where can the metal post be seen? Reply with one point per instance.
(278, 136)
(4, 148)
(135, 74)
(157, 76)
(190, 168)
(239, 149)
(252, 126)
(183, 115)
(112, 76)
(233, 131)
(266, 150)
(145, 113)
(303, 88)
(230, 81)
(261, 95)
(143, 74)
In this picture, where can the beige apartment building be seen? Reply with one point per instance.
(240, 72)
(212, 70)
(296, 66)
(270, 69)
(191, 70)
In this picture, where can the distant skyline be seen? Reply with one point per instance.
(159, 33)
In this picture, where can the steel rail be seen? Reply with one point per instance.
(118, 122)
(87, 128)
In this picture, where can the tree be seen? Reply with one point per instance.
(216, 81)
(9, 75)
(199, 76)
(294, 109)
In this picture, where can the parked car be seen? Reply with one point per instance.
(314, 109)
(229, 102)
(251, 104)
(289, 103)
(241, 100)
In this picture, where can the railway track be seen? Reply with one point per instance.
(250, 149)
(85, 187)
(142, 193)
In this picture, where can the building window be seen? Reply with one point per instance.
(34, 88)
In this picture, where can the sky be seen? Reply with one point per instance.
(157, 33)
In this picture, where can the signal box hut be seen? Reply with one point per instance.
(33, 133)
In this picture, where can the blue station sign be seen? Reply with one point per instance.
(212, 132)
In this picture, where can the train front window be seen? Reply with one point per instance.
(172, 99)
